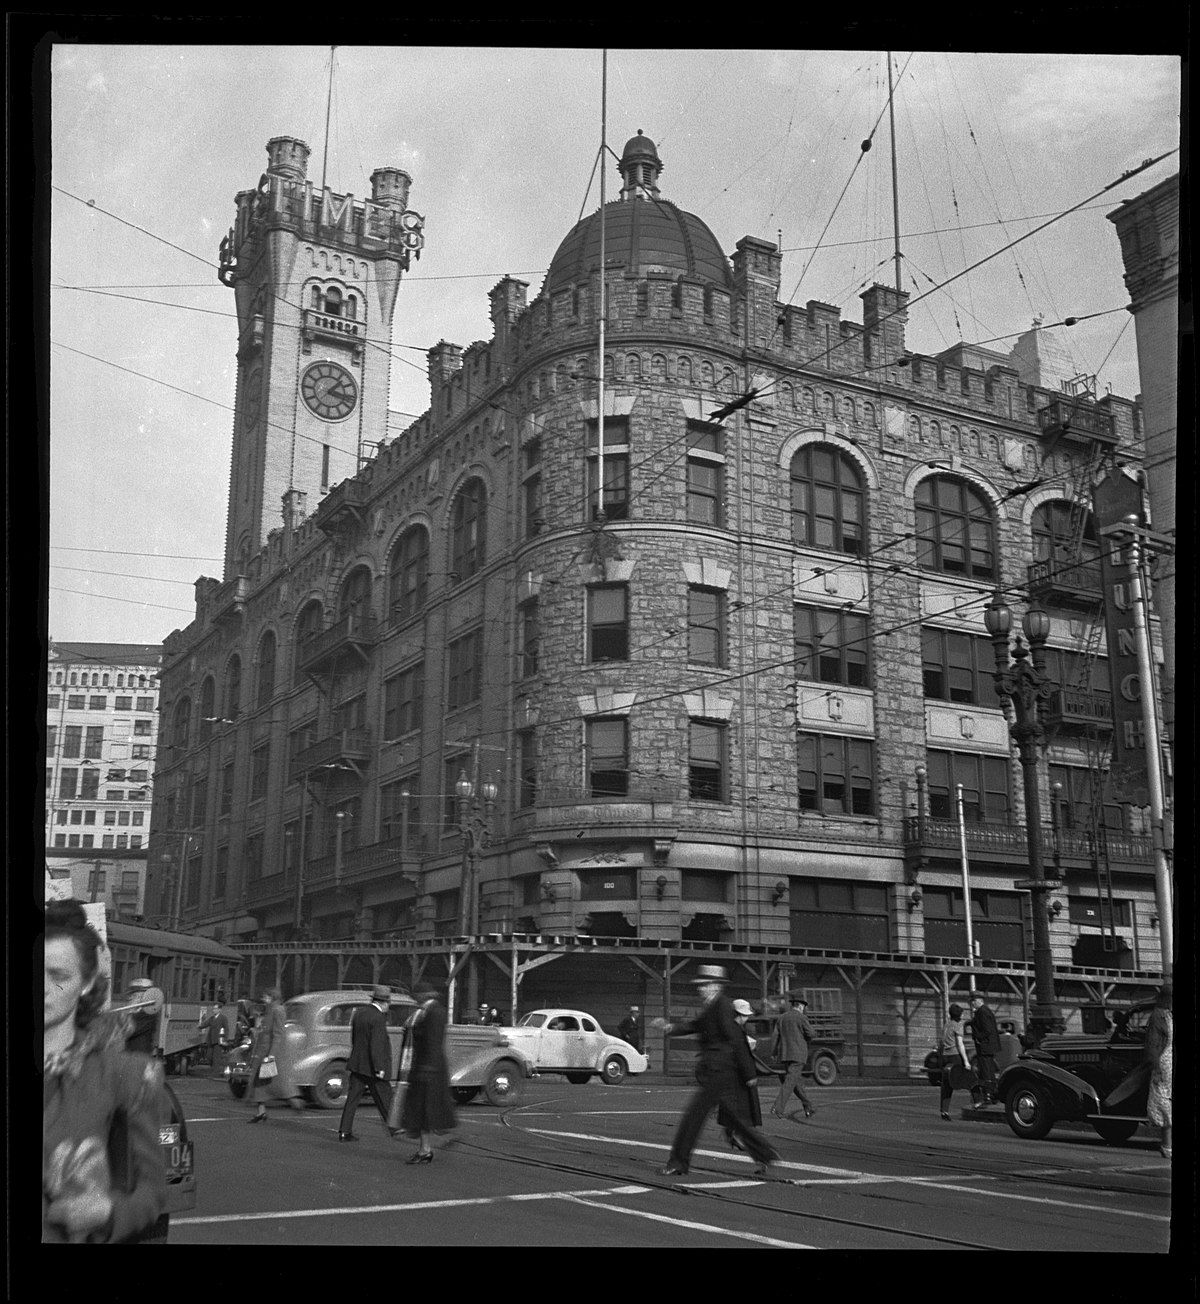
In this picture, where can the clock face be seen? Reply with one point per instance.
(329, 390)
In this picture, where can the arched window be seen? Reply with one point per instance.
(955, 529)
(208, 707)
(333, 301)
(409, 575)
(355, 599)
(1056, 537)
(181, 723)
(308, 623)
(828, 503)
(469, 530)
(264, 670)
(233, 688)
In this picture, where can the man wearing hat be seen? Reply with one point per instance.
(630, 1028)
(370, 1062)
(725, 1072)
(793, 1032)
(987, 1044)
(147, 1002)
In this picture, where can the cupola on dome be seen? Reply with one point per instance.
(642, 232)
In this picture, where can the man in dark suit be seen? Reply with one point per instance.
(370, 1062)
(793, 1033)
(726, 1070)
(630, 1028)
(987, 1044)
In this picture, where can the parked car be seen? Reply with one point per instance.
(1101, 1079)
(824, 1051)
(573, 1043)
(317, 1026)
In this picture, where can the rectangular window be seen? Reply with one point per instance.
(985, 786)
(220, 872)
(89, 786)
(140, 751)
(398, 803)
(996, 925)
(608, 622)
(706, 760)
(299, 740)
(97, 703)
(114, 794)
(75, 702)
(836, 774)
(706, 626)
(705, 476)
(94, 742)
(956, 667)
(138, 776)
(252, 857)
(89, 817)
(123, 817)
(403, 701)
(139, 817)
(839, 914)
(445, 914)
(531, 486)
(831, 647)
(607, 751)
(88, 840)
(350, 714)
(226, 807)
(142, 728)
(199, 803)
(530, 637)
(122, 841)
(106, 842)
(110, 816)
(52, 701)
(464, 670)
(260, 764)
(73, 740)
(705, 885)
(527, 768)
(68, 780)
(1073, 800)
(135, 841)
(145, 704)
(452, 771)
(616, 469)
(51, 739)
(76, 817)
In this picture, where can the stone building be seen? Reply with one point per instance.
(702, 647)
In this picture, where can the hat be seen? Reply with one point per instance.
(710, 973)
(743, 1007)
(381, 993)
(976, 996)
(635, 1008)
(797, 998)
(141, 982)
(425, 992)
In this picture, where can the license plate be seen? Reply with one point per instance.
(168, 1134)
(181, 1163)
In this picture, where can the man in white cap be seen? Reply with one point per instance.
(147, 1002)
(793, 1032)
(726, 1070)
(370, 1062)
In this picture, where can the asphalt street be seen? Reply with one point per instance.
(875, 1168)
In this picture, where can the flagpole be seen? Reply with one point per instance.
(966, 881)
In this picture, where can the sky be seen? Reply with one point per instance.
(150, 144)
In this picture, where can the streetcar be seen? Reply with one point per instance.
(193, 974)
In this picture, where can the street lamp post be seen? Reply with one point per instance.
(475, 827)
(1026, 685)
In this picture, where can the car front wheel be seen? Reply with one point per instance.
(613, 1070)
(464, 1095)
(503, 1083)
(1027, 1109)
(329, 1087)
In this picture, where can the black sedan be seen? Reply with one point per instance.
(1099, 1079)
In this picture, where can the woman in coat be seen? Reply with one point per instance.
(103, 1178)
(750, 1107)
(428, 1107)
(956, 1067)
(270, 1038)
(1160, 1051)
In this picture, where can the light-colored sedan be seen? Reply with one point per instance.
(573, 1043)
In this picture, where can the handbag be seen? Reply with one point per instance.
(400, 1089)
(268, 1069)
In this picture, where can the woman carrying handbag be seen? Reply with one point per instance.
(428, 1107)
(269, 1042)
(957, 1072)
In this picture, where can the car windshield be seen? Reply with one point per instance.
(293, 1011)
(532, 1021)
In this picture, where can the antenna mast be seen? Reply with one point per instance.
(895, 185)
(603, 304)
(328, 106)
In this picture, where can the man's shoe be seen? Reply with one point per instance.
(809, 1111)
(761, 1169)
(945, 1116)
(347, 1136)
(673, 1170)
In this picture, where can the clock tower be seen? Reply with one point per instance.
(315, 277)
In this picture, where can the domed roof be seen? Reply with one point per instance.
(641, 236)
(642, 232)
